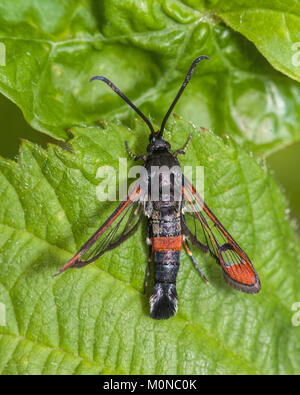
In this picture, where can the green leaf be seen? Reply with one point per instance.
(146, 48)
(96, 320)
(273, 26)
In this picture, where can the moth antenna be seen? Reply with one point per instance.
(185, 82)
(117, 90)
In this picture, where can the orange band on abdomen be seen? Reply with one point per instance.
(172, 243)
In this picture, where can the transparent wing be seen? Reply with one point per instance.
(123, 222)
(237, 268)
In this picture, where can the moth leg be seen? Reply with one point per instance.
(192, 237)
(148, 269)
(189, 252)
(182, 151)
(132, 155)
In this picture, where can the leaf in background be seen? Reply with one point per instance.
(96, 320)
(145, 48)
(273, 26)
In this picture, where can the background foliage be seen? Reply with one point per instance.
(96, 320)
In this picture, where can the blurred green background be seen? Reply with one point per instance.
(284, 163)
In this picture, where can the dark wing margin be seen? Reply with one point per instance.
(122, 223)
(238, 270)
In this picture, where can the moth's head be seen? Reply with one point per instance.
(156, 140)
(157, 143)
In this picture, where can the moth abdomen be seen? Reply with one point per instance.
(163, 301)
